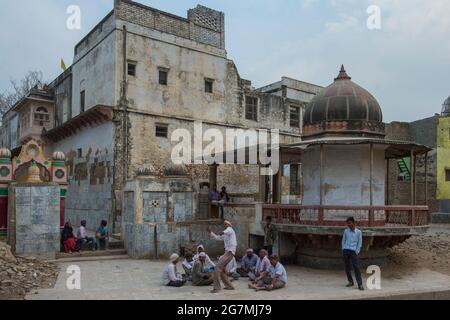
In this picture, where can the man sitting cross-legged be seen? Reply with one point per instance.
(199, 276)
(248, 265)
(274, 279)
(171, 277)
(262, 265)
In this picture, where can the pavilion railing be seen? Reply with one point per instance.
(366, 216)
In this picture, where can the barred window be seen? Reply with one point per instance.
(162, 130)
(294, 179)
(251, 108)
(295, 116)
(132, 68)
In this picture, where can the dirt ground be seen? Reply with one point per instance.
(19, 276)
(430, 251)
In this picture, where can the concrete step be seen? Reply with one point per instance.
(87, 259)
(91, 254)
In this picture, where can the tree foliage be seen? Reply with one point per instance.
(19, 89)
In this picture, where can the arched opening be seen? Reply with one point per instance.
(41, 116)
(21, 173)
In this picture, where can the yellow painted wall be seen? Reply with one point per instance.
(443, 158)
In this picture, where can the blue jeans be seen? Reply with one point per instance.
(81, 242)
(352, 262)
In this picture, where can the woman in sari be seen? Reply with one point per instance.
(68, 239)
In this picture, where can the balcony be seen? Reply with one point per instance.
(390, 217)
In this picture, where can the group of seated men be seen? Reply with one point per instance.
(264, 273)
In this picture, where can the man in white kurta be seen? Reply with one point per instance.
(228, 236)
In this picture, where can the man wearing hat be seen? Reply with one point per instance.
(199, 275)
(171, 277)
(228, 236)
(248, 264)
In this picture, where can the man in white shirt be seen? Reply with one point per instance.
(82, 237)
(228, 236)
(275, 278)
(171, 277)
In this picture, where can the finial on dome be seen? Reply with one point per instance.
(343, 75)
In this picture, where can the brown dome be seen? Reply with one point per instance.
(343, 108)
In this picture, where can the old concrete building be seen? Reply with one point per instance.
(434, 133)
(138, 76)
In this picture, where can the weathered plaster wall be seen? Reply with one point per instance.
(151, 153)
(189, 63)
(424, 132)
(94, 70)
(159, 219)
(90, 176)
(63, 93)
(443, 160)
(346, 176)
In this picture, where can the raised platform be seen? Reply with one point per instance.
(312, 235)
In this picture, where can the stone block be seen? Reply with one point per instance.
(35, 209)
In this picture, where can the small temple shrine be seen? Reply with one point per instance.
(31, 167)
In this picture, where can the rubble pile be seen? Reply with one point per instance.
(19, 276)
(425, 251)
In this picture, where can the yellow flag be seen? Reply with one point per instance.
(63, 65)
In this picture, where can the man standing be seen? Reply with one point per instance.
(228, 236)
(216, 200)
(351, 247)
(270, 234)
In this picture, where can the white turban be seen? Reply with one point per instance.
(174, 257)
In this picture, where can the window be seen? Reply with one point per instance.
(132, 68)
(163, 76)
(447, 175)
(295, 117)
(162, 130)
(80, 153)
(294, 180)
(251, 108)
(82, 101)
(209, 85)
(41, 116)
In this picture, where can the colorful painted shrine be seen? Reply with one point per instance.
(31, 166)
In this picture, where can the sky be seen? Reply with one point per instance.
(405, 64)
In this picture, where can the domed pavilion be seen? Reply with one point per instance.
(344, 159)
